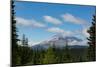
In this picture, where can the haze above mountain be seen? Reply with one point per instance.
(60, 41)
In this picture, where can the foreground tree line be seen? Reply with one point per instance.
(25, 55)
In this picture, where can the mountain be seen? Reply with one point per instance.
(59, 41)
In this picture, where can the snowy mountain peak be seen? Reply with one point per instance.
(59, 41)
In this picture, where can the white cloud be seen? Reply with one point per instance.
(32, 43)
(73, 19)
(59, 31)
(52, 20)
(81, 43)
(84, 32)
(22, 21)
(38, 24)
(29, 22)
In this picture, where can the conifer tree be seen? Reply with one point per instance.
(26, 52)
(92, 40)
(49, 57)
(14, 29)
(65, 55)
(26, 41)
(23, 40)
(14, 35)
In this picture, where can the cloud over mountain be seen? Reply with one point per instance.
(60, 41)
(59, 31)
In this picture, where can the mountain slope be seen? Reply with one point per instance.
(59, 41)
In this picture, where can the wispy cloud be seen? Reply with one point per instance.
(29, 22)
(52, 20)
(59, 31)
(73, 19)
(84, 32)
(32, 42)
(82, 43)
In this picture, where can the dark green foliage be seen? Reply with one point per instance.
(14, 35)
(92, 40)
(49, 56)
(21, 55)
(54, 55)
(26, 55)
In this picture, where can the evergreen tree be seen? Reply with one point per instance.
(23, 40)
(92, 40)
(26, 41)
(15, 56)
(26, 55)
(35, 57)
(49, 57)
(20, 55)
(26, 52)
(42, 55)
(65, 54)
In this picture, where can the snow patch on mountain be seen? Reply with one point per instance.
(60, 41)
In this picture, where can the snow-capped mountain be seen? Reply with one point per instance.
(58, 41)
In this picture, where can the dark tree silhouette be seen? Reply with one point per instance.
(26, 41)
(23, 40)
(14, 36)
(92, 40)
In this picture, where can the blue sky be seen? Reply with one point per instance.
(40, 21)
